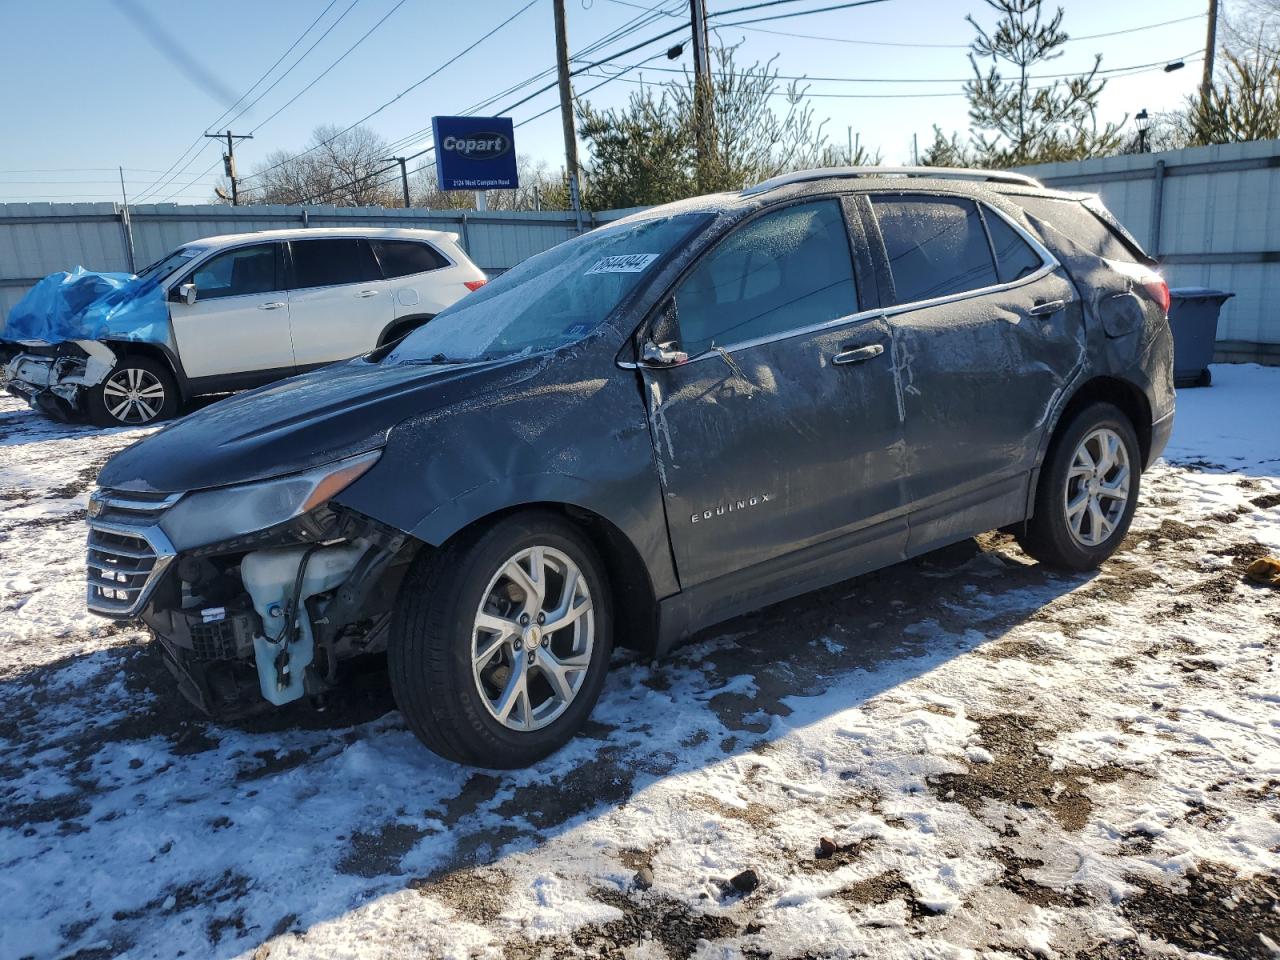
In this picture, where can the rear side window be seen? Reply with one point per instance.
(237, 273)
(1079, 223)
(400, 258)
(937, 246)
(780, 272)
(326, 262)
(1015, 258)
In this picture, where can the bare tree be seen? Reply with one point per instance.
(346, 168)
(646, 152)
(539, 189)
(1244, 104)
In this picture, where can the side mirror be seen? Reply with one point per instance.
(662, 354)
(187, 293)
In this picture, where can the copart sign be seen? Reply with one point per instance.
(475, 153)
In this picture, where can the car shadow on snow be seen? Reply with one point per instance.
(233, 834)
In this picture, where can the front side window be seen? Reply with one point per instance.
(780, 272)
(402, 258)
(936, 246)
(552, 299)
(331, 261)
(238, 272)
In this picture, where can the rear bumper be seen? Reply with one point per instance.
(1160, 432)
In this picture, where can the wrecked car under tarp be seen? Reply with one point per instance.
(56, 341)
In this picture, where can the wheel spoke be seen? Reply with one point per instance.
(1099, 529)
(1117, 489)
(1078, 504)
(557, 674)
(118, 409)
(153, 392)
(570, 616)
(532, 589)
(516, 690)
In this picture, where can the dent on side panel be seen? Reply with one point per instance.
(1129, 337)
(561, 432)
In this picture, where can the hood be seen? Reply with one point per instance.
(330, 413)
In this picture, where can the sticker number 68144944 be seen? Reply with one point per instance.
(623, 263)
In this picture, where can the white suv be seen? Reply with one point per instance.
(247, 309)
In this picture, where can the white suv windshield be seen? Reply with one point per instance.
(168, 265)
(551, 299)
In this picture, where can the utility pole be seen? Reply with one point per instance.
(404, 175)
(1210, 47)
(566, 113)
(229, 159)
(127, 222)
(701, 82)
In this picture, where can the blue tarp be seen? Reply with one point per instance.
(84, 305)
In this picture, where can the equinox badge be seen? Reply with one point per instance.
(730, 507)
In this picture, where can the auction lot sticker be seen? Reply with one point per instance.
(623, 263)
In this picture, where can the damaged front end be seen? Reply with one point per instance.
(54, 379)
(254, 592)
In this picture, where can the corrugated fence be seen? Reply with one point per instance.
(1211, 214)
(1212, 217)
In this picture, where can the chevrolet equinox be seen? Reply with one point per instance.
(688, 414)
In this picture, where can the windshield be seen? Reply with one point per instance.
(166, 266)
(554, 298)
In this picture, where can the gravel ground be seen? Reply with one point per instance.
(962, 756)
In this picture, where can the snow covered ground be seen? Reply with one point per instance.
(1004, 763)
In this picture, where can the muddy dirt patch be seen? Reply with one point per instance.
(1020, 774)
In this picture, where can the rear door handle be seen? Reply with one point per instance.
(1047, 308)
(274, 305)
(858, 355)
(367, 293)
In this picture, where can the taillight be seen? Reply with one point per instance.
(1150, 281)
(474, 285)
(1159, 291)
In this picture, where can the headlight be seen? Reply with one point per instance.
(212, 516)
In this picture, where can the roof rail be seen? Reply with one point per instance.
(937, 173)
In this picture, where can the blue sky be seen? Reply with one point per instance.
(85, 90)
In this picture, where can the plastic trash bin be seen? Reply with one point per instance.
(1193, 317)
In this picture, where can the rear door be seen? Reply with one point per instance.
(987, 332)
(339, 302)
(240, 320)
(781, 432)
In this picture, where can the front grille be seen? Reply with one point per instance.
(128, 552)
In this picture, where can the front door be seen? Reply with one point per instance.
(338, 301)
(986, 335)
(239, 323)
(781, 432)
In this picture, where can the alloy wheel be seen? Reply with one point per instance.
(532, 640)
(1097, 489)
(133, 395)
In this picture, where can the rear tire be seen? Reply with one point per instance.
(1087, 491)
(138, 391)
(467, 642)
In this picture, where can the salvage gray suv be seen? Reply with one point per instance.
(694, 412)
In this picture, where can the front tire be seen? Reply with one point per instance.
(1087, 491)
(501, 641)
(138, 391)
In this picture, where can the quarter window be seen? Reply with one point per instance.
(237, 272)
(401, 258)
(937, 246)
(783, 271)
(1015, 258)
(332, 261)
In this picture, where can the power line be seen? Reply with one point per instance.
(200, 138)
(934, 46)
(797, 13)
(406, 90)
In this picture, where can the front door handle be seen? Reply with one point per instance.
(273, 305)
(1047, 308)
(367, 293)
(858, 355)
